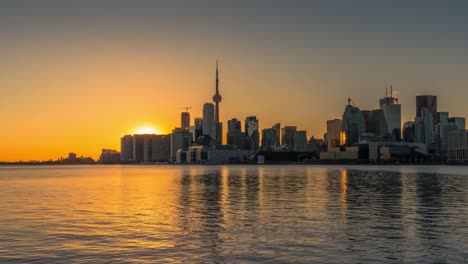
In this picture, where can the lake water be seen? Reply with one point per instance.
(234, 214)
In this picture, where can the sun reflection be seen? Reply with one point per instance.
(344, 184)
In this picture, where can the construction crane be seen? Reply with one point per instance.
(186, 108)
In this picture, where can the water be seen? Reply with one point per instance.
(234, 214)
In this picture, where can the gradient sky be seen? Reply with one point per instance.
(75, 76)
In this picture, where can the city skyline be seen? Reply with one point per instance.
(64, 95)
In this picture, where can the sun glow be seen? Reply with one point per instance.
(146, 130)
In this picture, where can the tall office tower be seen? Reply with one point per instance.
(287, 136)
(457, 123)
(126, 148)
(234, 125)
(198, 127)
(300, 140)
(161, 148)
(408, 131)
(180, 139)
(277, 128)
(138, 147)
(429, 102)
(217, 99)
(147, 148)
(353, 124)
(185, 120)
(392, 112)
(269, 139)
(423, 128)
(377, 123)
(334, 128)
(235, 137)
(441, 131)
(209, 121)
(251, 131)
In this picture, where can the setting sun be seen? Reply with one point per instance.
(146, 130)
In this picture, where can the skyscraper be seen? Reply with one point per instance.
(126, 148)
(392, 111)
(209, 121)
(269, 139)
(334, 128)
(180, 139)
(377, 123)
(138, 147)
(235, 137)
(161, 148)
(429, 102)
(353, 124)
(277, 128)
(217, 99)
(287, 136)
(198, 127)
(300, 140)
(251, 131)
(423, 128)
(185, 120)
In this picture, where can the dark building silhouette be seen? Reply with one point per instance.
(287, 136)
(185, 120)
(429, 102)
(126, 148)
(251, 131)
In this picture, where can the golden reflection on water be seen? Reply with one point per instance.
(205, 213)
(344, 192)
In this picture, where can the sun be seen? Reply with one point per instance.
(146, 130)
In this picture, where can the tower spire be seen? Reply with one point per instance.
(217, 80)
(217, 99)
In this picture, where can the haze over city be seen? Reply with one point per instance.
(78, 76)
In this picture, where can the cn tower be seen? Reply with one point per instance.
(217, 99)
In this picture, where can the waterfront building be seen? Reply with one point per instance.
(161, 148)
(209, 121)
(109, 156)
(138, 145)
(334, 128)
(180, 139)
(126, 148)
(147, 148)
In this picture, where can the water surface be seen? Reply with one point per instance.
(234, 214)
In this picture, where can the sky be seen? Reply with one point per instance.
(75, 76)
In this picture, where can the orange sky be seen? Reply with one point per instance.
(77, 82)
